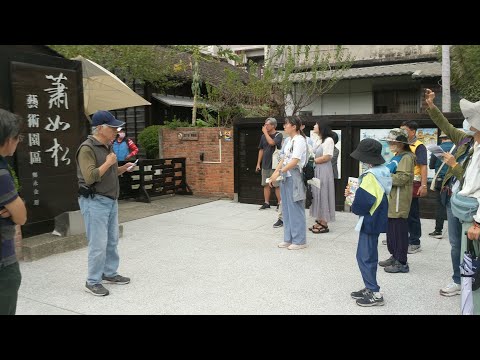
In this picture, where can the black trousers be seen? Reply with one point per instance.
(10, 279)
(440, 213)
(397, 239)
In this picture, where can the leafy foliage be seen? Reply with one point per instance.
(148, 139)
(465, 70)
(140, 62)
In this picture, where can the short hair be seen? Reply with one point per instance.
(411, 124)
(272, 121)
(335, 137)
(9, 126)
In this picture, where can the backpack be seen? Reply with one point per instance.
(309, 170)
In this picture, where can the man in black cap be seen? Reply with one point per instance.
(97, 172)
(371, 204)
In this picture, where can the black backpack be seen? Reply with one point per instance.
(309, 170)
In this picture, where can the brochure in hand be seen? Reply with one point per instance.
(352, 187)
(436, 150)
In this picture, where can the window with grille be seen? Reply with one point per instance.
(397, 101)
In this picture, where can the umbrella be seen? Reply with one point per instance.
(469, 271)
(102, 90)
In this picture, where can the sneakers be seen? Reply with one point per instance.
(397, 267)
(96, 289)
(388, 262)
(117, 279)
(412, 249)
(370, 299)
(451, 289)
(297, 247)
(264, 206)
(436, 234)
(359, 294)
(278, 224)
(284, 244)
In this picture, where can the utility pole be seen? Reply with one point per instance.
(446, 98)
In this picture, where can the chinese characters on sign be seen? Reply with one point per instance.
(43, 97)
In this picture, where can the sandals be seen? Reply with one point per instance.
(315, 226)
(322, 230)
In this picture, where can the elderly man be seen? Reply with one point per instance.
(270, 140)
(97, 172)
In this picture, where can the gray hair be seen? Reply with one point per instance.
(96, 128)
(272, 121)
(9, 126)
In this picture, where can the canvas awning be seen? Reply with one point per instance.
(416, 70)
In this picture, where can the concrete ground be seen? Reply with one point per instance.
(222, 257)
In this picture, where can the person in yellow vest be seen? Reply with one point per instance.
(419, 185)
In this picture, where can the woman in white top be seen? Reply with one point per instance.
(292, 187)
(323, 202)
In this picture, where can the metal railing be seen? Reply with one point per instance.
(154, 177)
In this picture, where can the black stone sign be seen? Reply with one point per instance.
(47, 99)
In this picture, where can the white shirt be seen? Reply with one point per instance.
(471, 184)
(328, 146)
(299, 151)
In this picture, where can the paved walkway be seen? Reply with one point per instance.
(222, 258)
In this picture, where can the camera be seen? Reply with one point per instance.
(86, 191)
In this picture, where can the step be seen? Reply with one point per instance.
(43, 245)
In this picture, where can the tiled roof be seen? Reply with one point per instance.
(416, 70)
(171, 100)
(212, 72)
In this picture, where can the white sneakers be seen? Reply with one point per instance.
(451, 289)
(291, 246)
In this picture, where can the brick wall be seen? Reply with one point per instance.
(204, 179)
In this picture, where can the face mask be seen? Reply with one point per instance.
(121, 135)
(466, 128)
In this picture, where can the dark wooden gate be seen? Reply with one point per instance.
(247, 133)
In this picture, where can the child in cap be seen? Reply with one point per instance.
(371, 204)
(402, 167)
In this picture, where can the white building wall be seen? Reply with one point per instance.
(348, 97)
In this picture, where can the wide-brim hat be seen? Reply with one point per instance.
(369, 151)
(397, 135)
(471, 111)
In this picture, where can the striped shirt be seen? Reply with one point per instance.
(7, 226)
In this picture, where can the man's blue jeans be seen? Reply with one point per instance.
(100, 215)
(455, 238)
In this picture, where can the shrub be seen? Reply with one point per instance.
(148, 139)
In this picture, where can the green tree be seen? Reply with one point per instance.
(144, 63)
(148, 139)
(199, 53)
(465, 70)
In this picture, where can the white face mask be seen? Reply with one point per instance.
(121, 135)
(466, 127)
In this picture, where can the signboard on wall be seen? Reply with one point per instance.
(46, 98)
(427, 136)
